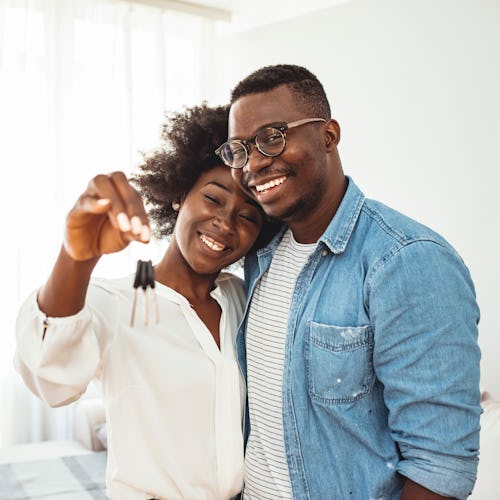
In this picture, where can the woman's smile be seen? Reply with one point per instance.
(213, 244)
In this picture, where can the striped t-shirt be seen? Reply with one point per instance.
(266, 469)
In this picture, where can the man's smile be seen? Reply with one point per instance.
(270, 184)
(264, 188)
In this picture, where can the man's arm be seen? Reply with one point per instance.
(424, 314)
(413, 491)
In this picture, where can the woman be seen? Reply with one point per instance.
(172, 391)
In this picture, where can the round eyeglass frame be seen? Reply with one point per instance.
(280, 127)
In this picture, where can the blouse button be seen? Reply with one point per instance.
(324, 253)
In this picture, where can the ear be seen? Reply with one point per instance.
(180, 202)
(332, 134)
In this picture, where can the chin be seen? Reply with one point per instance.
(282, 213)
(207, 271)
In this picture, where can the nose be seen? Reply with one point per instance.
(224, 222)
(256, 161)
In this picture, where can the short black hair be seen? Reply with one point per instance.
(305, 86)
(189, 139)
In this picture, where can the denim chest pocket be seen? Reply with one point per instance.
(339, 362)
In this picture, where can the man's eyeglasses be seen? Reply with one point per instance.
(269, 140)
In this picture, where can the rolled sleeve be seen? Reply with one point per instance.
(425, 316)
(442, 474)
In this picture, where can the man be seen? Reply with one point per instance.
(360, 341)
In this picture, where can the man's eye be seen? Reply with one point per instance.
(273, 138)
(239, 153)
(237, 149)
(269, 136)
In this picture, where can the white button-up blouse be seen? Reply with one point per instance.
(173, 400)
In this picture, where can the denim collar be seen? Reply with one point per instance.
(340, 229)
(338, 232)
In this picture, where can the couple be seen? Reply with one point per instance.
(358, 345)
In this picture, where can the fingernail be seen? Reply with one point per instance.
(136, 224)
(103, 201)
(145, 233)
(123, 222)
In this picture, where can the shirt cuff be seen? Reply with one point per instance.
(442, 474)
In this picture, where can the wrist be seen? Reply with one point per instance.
(77, 259)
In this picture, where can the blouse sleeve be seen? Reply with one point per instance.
(58, 357)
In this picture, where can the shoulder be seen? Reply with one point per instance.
(117, 288)
(397, 227)
(407, 257)
(229, 281)
(385, 239)
(232, 287)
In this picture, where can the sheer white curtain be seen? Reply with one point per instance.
(83, 88)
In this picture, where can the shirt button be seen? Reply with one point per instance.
(324, 253)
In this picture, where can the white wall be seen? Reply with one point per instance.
(415, 86)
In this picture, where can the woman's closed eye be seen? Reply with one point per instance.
(213, 199)
(250, 217)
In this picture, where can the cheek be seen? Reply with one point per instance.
(294, 158)
(181, 229)
(303, 151)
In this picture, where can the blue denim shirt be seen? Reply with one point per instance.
(381, 375)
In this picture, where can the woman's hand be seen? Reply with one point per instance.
(106, 217)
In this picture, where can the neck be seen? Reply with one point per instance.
(174, 272)
(308, 228)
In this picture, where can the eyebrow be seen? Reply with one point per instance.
(219, 185)
(270, 124)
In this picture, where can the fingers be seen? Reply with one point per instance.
(112, 194)
(94, 205)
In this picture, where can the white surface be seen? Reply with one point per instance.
(488, 475)
(89, 416)
(247, 14)
(41, 451)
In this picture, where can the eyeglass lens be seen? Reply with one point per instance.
(269, 141)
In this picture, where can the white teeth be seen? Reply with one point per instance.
(270, 184)
(212, 243)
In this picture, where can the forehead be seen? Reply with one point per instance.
(251, 112)
(219, 175)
